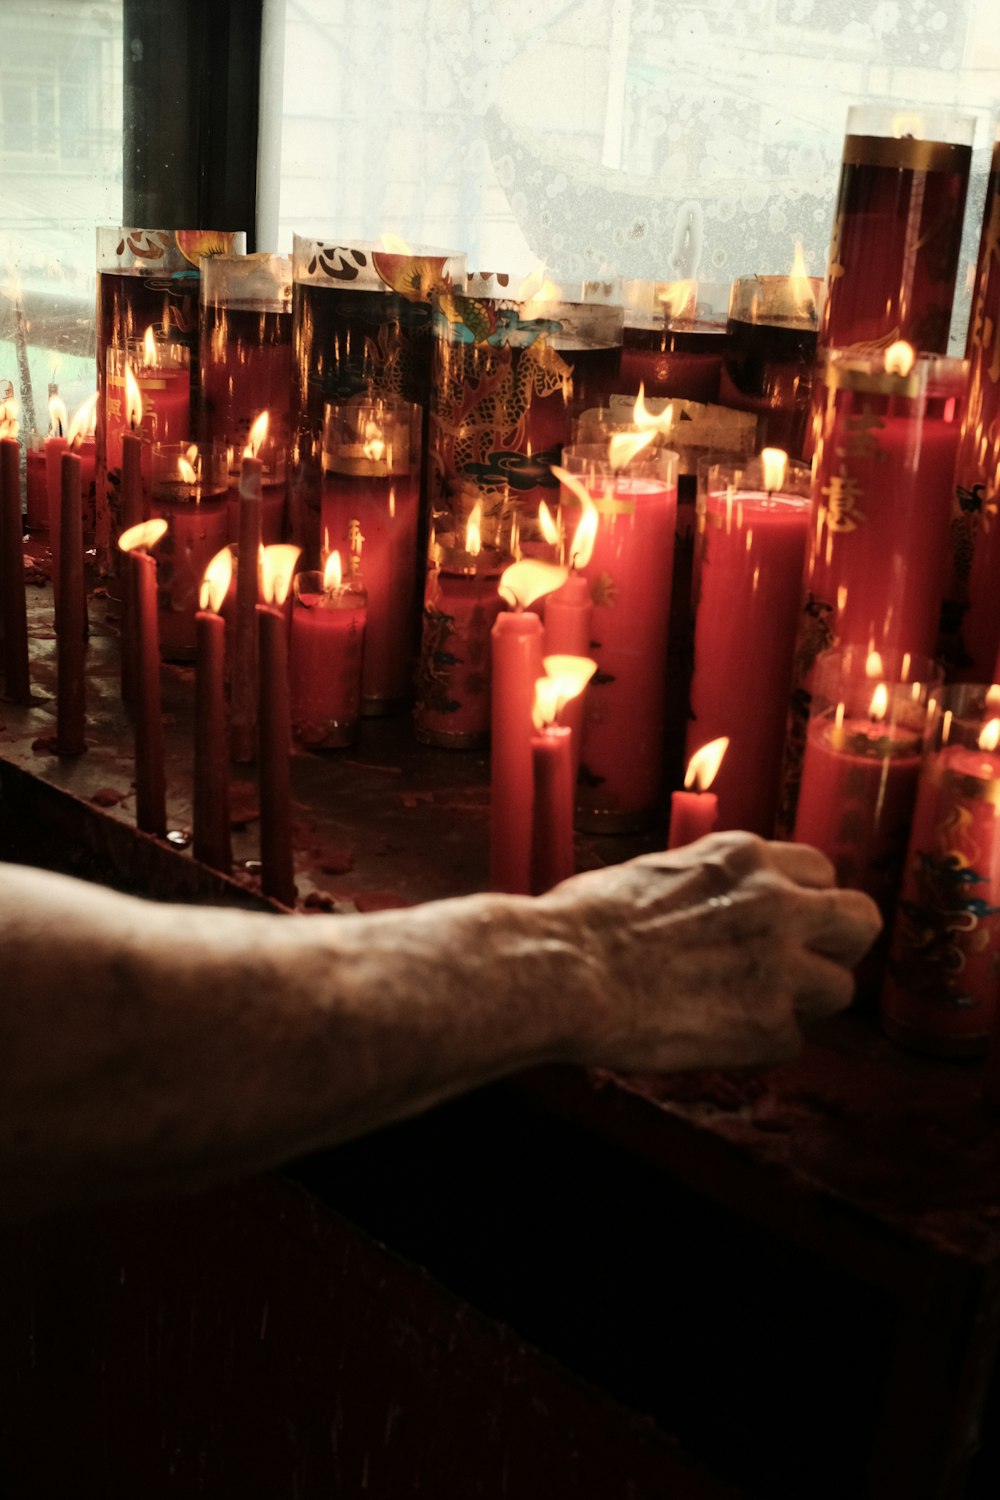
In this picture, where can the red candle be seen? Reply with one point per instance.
(189, 483)
(274, 720)
(55, 446)
(693, 813)
(325, 655)
(163, 373)
(940, 993)
(212, 842)
(461, 604)
(272, 459)
(752, 542)
(369, 513)
(517, 665)
(82, 443)
(17, 676)
(36, 485)
(243, 724)
(553, 773)
(140, 579)
(71, 621)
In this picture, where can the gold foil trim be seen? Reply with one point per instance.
(906, 153)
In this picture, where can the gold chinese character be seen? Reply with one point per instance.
(842, 495)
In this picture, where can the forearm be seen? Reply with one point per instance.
(152, 1047)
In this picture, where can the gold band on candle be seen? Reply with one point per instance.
(906, 153)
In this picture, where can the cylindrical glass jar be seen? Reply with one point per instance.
(770, 352)
(188, 484)
(674, 339)
(326, 650)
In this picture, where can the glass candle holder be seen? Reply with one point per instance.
(674, 338)
(161, 367)
(245, 347)
(752, 527)
(972, 610)
(620, 783)
(272, 456)
(370, 515)
(361, 329)
(859, 777)
(940, 992)
(326, 649)
(876, 563)
(897, 228)
(146, 278)
(771, 350)
(188, 484)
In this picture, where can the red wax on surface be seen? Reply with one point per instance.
(17, 677)
(211, 836)
(752, 549)
(328, 639)
(629, 576)
(692, 815)
(150, 774)
(941, 990)
(380, 515)
(454, 680)
(552, 825)
(243, 725)
(71, 621)
(517, 665)
(274, 719)
(36, 483)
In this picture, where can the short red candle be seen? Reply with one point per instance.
(17, 676)
(552, 821)
(163, 374)
(243, 724)
(517, 663)
(71, 620)
(461, 604)
(325, 660)
(150, 773)
(692, 815)
(274, 720)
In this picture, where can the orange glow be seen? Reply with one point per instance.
(277, 568)
(802, 291)
(571, 672)
(993, 696)
(704, 764)
(679, 298)
(644, 419)
(394, 244)
(989, 739)
(84, 421)
(547, 525)
(374, 442)
(582, 546)
(555, 690)
(900, 358)
(133, 399)
(186, 471)
(473, 530)
(879, 705)
(774, 466)
(140, 538)
(215, 581)
(873, 665)
(257, 434)
(333, 573)
(8, 413)
(525, 581)
(536, 287)
(624, 446)
(58, 418)
(149, 353)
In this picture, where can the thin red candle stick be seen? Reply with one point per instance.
(55, 447)
(517, 663)
(71, 620)
(17, 675)
(274, 720)
(140, 585)
(244, 678)
(212, 842)
(133, 498)
(552, 826)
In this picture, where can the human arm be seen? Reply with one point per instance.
(149, 1048)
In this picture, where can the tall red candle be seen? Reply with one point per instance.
(326, 647)
(132, 514)
(751, 548)
(55, 447)
(150, 771)
(17, 675)
(693, 813)
(517, 664)
(275, 728)
(71, 621)
(243, 723)
(940, 993)
(211, 836)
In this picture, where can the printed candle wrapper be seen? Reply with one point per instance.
(327, 644)
(620, 783)
(370, 515)
(771, 349)
(748, 589)
(876, 562)
(245, 348)
(971, 618)
(189, 484)
(361, 329)
(897, 229)
(674, 339)
(461, 603)
(940, 993)
(859, 778)
(509, 376)
(145, 278)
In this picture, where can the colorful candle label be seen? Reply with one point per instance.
(943, 923)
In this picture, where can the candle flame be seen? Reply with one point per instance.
(623, 447)
(873, 665)
(584, 537)
(149, 348)
(900, 358)
(58, 418)
(8, 411)
(802, 292)
(257, 434)
(573, 672)
(394, 244)
(704, 764)
(879, 705)
(993, 696)
(536, 287)
(84, 421)
(907, 122)
(140, 538)
(547, 525)
(374, 442)
(186, 471)
(678, 298)
(133, 399)
(774, 466)
(277, 568)
(525, 581)
(989, 739)
(215, 581)
(555, 690)
(333, 572)
(643, 418)
(473, 530)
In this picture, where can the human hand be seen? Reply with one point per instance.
(711, 955)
